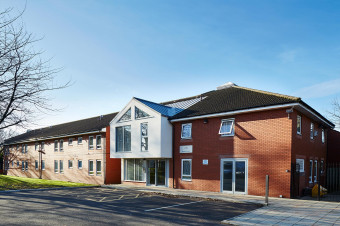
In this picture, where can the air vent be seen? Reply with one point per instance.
(226, 85)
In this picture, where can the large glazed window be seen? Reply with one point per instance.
(144, 137)
(227, 127)
(134, 170)
(123, 138)
(186, 131)
(140, 113)
(126, 116)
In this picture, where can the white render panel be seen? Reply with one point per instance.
(159, 138)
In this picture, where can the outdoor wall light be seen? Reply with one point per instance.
(205, 121)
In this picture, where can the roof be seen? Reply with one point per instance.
(164, 110)
(93, 124)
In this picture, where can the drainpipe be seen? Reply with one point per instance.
(173, 156)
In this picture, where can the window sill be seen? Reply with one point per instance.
(187, 180)
(227, 135)
(186, 138)
(98, 148)
(138, 181)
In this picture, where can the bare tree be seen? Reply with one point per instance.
(25, 79)
(335, 114)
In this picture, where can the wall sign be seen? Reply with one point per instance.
(185, 149)
(205, 161)
(301, 163)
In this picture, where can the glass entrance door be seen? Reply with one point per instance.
(234, 175)
(157, 172)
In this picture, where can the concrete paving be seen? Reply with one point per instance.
(279, 211)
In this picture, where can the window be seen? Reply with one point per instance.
(126, 116)
(98, 167)
(298, 129)
(91, 167)
(26, 165)
(56, 145)
(140, 114)
(311, 131)
(227, 127)
(26, 145)
(186, 169)
(98, 141)
(61, 166)
(144, 136)
(310, 171)
(186, 131)
(70, 141)
(323, 136)
(42, 145)
(134, 170)
(18, 164)
(22, 148)
(12, 163)
(36, 147)
(70, 164)
(80, 164)
(316, 171)
(90, 142)
(43, 164)
(36, 165)
(17, 147)
(322, 166)
(61, 145)
(123, 138)
(56, 166)
(23, 166)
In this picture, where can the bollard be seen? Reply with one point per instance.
(267, 190)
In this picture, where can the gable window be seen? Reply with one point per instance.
(70, 164)
(61, 145)
(310, 171)
(140, 113)
(80, 164)
(144, 136)
(186, 131)
(126, 116)
(227, 127)
(91, 167)
(298, 128)
(80, 140)
(316, 171)
(70, 141)
(312, 131)
(98, 141)
(61, 166)
(134, 170)
(323, 136)
(56, 166)
(186, 169)
(90, 142)
(36, 165)
(98, 167)
(43, 164)
(56, 145)
(123, 138)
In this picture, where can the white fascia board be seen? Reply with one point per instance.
(252, 110)
(57, 137)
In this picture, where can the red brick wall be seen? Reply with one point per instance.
(113, 167)
(308, 149)
(264, 138)
(333, 146)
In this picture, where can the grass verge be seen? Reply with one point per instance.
(16, 183)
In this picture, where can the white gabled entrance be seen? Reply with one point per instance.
(234, 175)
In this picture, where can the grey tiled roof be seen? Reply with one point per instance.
(65, 129)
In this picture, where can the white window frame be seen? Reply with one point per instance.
(311, 169)
(36, 147)
(56, 144)
(142, 136)
(43, 164)
(190, 137)
(70, 161)
(134, 171)
(323, 136)
(311, 131)
(91, 173)
(99, 173)
(81, 164)
(61, 145)
(91, 147)
(80, 140)
(297, 119)
(190, 175)
(26, 148)
(61, 170)
(99, 147)
(56, 167)
(124, 144)
(315, 171)
(232, 128)
(70, 143)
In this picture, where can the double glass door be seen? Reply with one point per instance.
(157, 172)
(234, 175)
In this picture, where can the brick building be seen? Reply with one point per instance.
(76, 151)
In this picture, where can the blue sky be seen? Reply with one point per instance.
(164, 50)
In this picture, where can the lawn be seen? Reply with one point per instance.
(15, 183)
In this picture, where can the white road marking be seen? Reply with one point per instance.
(165, 207)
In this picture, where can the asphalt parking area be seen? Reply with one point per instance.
(101, 206)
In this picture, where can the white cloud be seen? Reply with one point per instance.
(288, 56)
(320, 90)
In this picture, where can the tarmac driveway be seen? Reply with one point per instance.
(101, 206)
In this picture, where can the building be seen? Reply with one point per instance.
(76, 151)
(225, 140)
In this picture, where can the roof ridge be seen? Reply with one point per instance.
(269, 93)
(181, 99)
(152, 102)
